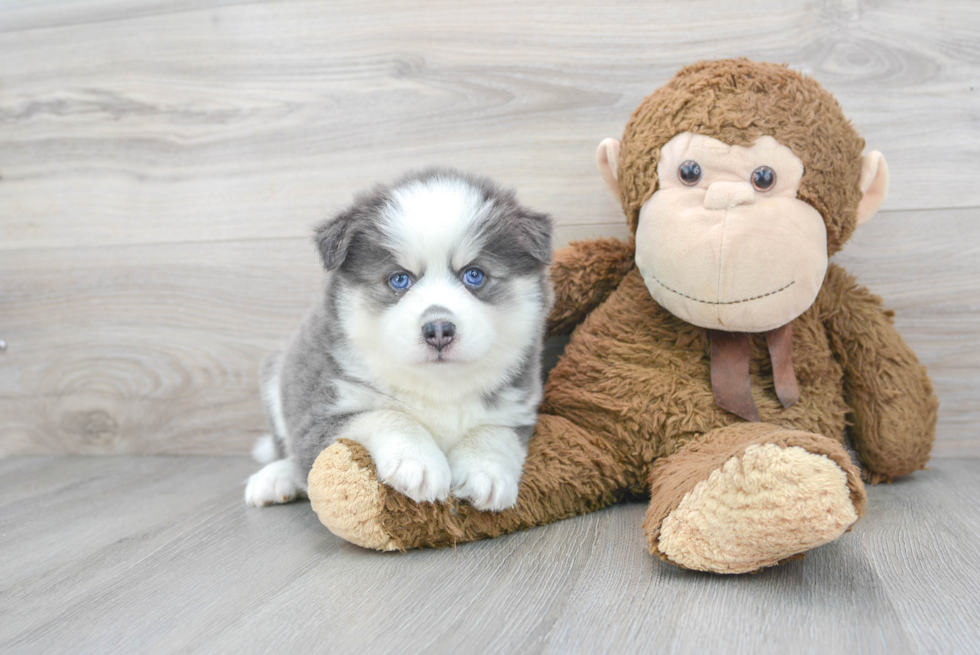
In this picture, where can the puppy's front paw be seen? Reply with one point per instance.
(418, 470)
(489, 486)
(275, 483)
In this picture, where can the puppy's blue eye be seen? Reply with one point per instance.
(400, 281)
(473, 277)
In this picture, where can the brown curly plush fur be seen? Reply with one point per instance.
(737, 101)
(629, 410)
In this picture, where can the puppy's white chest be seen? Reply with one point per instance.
(449, 421)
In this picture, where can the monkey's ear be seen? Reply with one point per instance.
(333, 237)
(874, 185)
(607, 156)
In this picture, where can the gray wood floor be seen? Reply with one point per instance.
(159, 554)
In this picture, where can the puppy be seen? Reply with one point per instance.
(424, 345)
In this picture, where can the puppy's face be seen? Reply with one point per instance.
(441, 277)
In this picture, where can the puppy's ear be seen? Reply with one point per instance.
(536, 233)
(333, 238)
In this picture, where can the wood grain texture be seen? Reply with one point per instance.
(161, 165)
(254, 120)
(149, 349)
(124, 554)
(23, 15)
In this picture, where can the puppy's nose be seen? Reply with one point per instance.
(438, 334)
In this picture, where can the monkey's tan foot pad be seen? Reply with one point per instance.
(759, 508)
(347, 496)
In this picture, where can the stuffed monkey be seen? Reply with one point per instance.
(717, 358)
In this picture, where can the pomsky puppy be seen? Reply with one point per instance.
(424, 346)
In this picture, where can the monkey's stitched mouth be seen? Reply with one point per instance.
(719, 302)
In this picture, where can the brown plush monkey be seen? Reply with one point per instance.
(715, 365)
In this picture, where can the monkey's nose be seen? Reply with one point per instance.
(724, 195)
(438, 334)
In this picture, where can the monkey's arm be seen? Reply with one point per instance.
(889, 392)
(584, 274)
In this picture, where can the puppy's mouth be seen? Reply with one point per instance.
(444, 356)
(438, 356)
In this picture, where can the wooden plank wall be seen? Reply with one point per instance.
(161, 164)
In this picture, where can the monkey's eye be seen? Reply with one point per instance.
(689, 172)
(763, 178)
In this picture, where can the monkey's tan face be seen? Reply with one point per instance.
(725, 243)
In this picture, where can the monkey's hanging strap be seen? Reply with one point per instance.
(730, 370)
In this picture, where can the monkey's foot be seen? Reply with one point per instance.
(750, 496)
